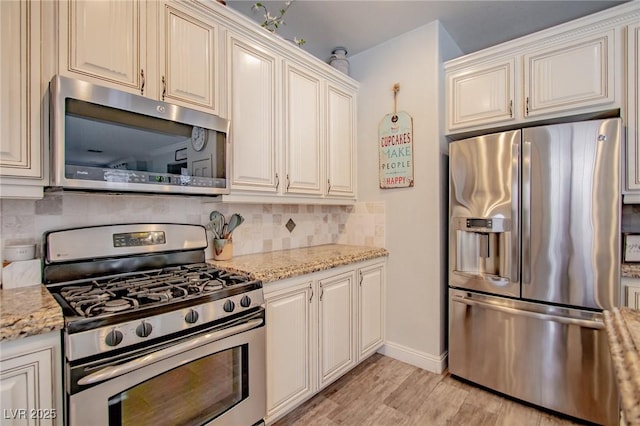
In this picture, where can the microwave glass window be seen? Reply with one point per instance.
(110, 140)
(192, 394)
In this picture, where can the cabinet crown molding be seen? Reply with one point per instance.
(610, 18)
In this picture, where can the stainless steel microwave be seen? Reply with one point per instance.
(107, 140)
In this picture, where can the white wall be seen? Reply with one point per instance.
(415, 217)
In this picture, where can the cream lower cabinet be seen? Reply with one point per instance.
(319, 326)
(291, 316)
(30, 384)
(21, 96)
(336, 326)
(162, 50)
(631, 293)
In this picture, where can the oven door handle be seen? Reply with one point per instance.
(118, 370)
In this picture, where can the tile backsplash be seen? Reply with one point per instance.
(264, 228)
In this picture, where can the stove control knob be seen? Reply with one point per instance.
(191, 317)
(144, 329)
(113, 337)
(245, 302)
(229, 306)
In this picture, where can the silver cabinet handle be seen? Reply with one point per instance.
(311, 288)
(288, 182)
(511, 108)
(164, 87)
(526, 109)
(598, 325)
(328, 185)
(277, 181)
(361, 278)
(142, 82)
(321, 293)
(118, 370)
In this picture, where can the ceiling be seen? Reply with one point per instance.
(360, 25)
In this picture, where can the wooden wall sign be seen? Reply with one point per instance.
(395, 142)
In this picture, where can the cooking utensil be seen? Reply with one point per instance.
(234, 221)
(217, 223)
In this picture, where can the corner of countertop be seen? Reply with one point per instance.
(28, 311)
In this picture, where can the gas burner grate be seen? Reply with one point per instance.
(132, 291)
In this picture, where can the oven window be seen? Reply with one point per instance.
(191, 394)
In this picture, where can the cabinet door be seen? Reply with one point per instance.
(569, 76)
(253, 104)
(371, 309)
(341, 145)
(302, 131)
(104, 40)
(20, 93)
(481, 94)
(289, 347)
(188, 59)
(633, 108)
(26, 386)
(633, 297)
(336, 327)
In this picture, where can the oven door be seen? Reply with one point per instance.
(216, 377)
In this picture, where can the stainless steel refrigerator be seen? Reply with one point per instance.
(534, 258)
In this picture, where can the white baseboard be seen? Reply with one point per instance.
(429, 362)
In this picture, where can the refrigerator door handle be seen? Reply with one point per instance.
(598, 325)
(515, 235)
(526, 212)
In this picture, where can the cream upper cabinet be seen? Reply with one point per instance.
(21, 95)
(336, 332)
(633, 108)
(481, 94)
(341, 141)
(162, 50)
(303, 131)
(570, 75)
(253, 104)
(104, 41)
(573, 69)
(188, 58)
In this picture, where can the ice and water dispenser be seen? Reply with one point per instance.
(481, 253)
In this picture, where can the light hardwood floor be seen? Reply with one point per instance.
(385, 391)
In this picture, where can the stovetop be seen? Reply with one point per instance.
(135, 291)
(122, 286)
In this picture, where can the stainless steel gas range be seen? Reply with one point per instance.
(153, 334)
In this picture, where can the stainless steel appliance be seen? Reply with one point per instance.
(534, 258)
(108, 140)
(153, 335)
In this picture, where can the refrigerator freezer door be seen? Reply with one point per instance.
(571, 213)
(483, 227)
(557, 358)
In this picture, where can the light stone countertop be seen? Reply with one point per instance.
(623, 330)
(28, 311)
(283, 264)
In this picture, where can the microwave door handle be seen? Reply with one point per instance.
(118, 370)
